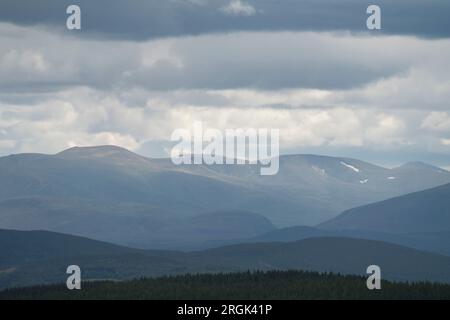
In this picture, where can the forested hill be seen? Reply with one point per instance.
(240, 286)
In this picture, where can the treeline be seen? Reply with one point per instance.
(239, 286)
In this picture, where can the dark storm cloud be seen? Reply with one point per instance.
(145, 19)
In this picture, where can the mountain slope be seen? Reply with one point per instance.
(111, 194)
(419, 212)
(437, 242)
(21, 247)
(343, 255)
(203, 230)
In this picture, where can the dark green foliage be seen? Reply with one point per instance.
(241, 286)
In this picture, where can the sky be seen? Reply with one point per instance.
(138, 70)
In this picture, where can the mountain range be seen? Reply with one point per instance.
(119, 215)
(111, 194)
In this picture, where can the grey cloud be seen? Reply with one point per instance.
(227, 61)
(145, 19)
(371, 96)
(88, 117)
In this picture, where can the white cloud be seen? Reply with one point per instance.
(437, 121)
(83, 116)
(58, 91)
(239, 8)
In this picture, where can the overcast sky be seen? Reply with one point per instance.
(140, 69)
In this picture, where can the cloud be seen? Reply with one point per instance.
(150, 19)
(437, 121)
(143, 121)
(239, 8)
(87, 117)
(324, 91)
(34, 59)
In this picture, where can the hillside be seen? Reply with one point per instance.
(197, 232)
(19, 247)
(340, 255)
(333, 254)
(111, 194)
(437, 242)
(238, 286)
(419, 212)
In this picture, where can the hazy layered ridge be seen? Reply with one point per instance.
(420, 212)
(437, 242)
(111, 194)
(29, 266)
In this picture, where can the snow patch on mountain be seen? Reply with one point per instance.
(350, 166)
(320, 171)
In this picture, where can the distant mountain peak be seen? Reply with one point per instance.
(95, 151)
(420, 165)
(107, 152)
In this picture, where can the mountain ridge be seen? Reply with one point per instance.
(111, 194)
(421, 211)
(106, 261)
(102, 149)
